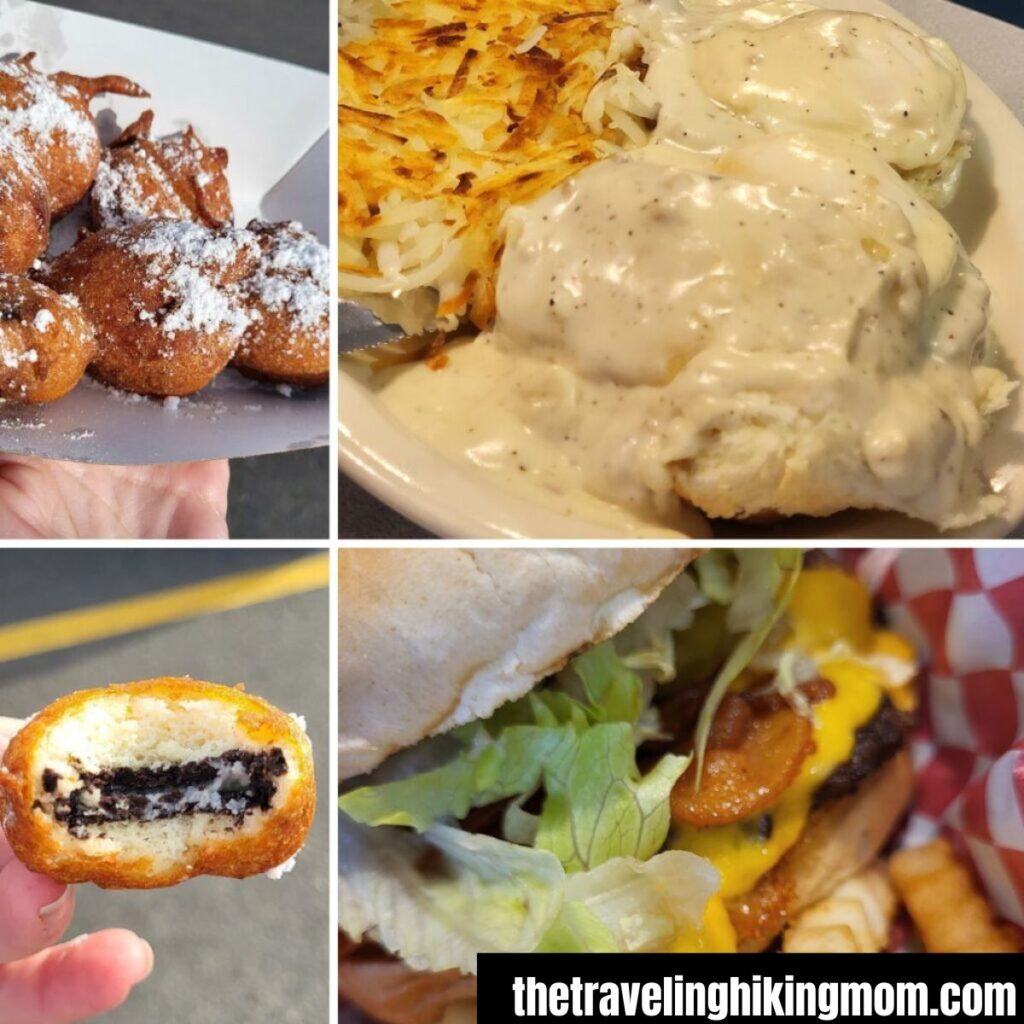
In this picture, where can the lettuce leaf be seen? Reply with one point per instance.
(490, 770)
(597, 804)
(632, 906)
(580, 750)
(599, 807)
(715, 575)
(783, 561)
(745, 581)
(648, 643)
(758, 575)
(439, 898)
(614, 693)
(578, 929)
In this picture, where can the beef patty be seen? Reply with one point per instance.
(874, 743)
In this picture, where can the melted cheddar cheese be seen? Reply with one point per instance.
(830, 620)
(714, 935)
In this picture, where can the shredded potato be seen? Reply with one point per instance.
(449, 113)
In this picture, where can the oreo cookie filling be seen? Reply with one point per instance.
(235, 784)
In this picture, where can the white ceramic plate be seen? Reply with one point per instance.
(459, 500)
(271, 117)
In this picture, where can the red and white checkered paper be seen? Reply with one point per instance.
(964, 609)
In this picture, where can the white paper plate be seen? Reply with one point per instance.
(460, 500)
(271, 117)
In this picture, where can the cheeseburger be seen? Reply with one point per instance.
(601, 750)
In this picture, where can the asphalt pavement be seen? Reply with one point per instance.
(255, 951)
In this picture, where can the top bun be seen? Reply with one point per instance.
(432, 638)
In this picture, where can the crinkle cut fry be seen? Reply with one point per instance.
(950, 913)
(854, 918)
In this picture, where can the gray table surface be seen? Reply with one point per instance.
(255, 951)
(981, 42)
(271, 496)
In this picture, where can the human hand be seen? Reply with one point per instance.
(42, 499)
(41, 983)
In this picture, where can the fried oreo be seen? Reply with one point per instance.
(287, 296)
(158, 293)
(175, 177)
(45, 342)
(148, 784)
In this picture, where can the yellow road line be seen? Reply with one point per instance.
(115, 618)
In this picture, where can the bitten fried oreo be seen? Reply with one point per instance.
(148, 784)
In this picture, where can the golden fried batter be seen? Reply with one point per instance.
(24, 207)
(158, 293)
(288, 339)
(50, 115)
(45, 342)
(175, 176)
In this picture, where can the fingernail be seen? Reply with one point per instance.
(150, 959)
(58, 904)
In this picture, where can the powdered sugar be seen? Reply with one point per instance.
(10, 356)
(43, 320)
(119, 198)
(203, 307)
(189, 261)
(176, 177)
(18, 423)
(295, 251)
(127, 397)
(183, 151)
(46, 109)
(294, 274)
(305, 301)
(198, 246)
(16, 164)
(16, 387)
